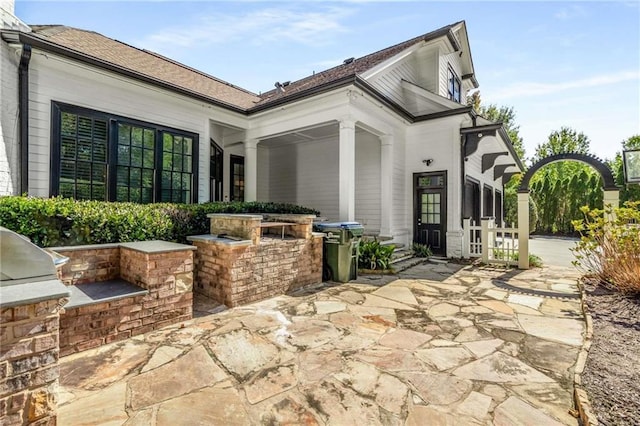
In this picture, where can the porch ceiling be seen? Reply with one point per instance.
(304, 135)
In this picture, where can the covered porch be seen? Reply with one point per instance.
(343, 168)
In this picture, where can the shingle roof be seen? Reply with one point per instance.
(356, 67)
(146, 63)
(165, 70)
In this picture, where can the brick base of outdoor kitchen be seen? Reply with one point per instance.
(244, 259)
(164, 270)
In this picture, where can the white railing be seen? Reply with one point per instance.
(471, 240)
(491, 243)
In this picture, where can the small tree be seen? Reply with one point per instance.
(611, 251)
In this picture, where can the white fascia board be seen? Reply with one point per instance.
(304, 114)
(432, 97)
(372, 72)
(467, 60)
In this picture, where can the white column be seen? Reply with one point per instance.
(251, 170)
(386, 185)
(611, 200)
(484, 239)
(466, 238)
(523, 230)
(347, 170)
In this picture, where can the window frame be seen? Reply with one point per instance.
(487, 191)
(452, 77)
(233, 160)
(57, 108)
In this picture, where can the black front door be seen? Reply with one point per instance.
(430, 207)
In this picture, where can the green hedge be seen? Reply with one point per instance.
(62, 221)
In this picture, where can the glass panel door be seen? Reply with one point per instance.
(237, 178)
(215, 172)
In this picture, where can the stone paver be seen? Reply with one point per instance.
(438, 345)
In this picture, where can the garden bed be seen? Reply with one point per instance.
(612, 373)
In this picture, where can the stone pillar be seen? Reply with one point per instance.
(523, 230)
(29, 361)
(251, 170)
(347, 170)
(611, 199)
(386, 185)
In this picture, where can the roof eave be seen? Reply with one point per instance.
(509, 143)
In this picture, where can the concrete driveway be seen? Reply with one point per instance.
(465, 346)
(553, 251)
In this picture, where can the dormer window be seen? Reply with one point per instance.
(453, 86)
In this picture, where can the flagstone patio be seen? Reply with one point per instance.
(442, 344)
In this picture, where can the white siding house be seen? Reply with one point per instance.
(385, 139)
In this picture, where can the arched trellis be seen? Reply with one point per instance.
(611, 195)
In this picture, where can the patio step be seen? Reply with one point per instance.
(400, 254)
(406, 263)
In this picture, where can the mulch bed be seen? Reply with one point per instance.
(612, 373)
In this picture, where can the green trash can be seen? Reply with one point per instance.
(340, 250)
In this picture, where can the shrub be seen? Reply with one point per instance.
(373, 255)
(421, 250)
(62, 221)
(534, 260)
(611, 250)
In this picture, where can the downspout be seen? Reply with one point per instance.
(23, 116)
(463, 143)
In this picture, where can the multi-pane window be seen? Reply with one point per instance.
(430, 208)
(83, 157)
(177, 160)
(98, 156)
(453, 86)
(237, 177)
(136, 164)
(487, 201)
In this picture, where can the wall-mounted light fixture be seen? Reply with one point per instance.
(428, 161)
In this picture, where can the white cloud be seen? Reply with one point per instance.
(525, 89)
(263, 26)
(570, 12)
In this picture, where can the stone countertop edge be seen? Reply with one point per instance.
(84, 247)
(236, 216)
(156, 246)
(581, 399)
(33, 292)
(208, 238)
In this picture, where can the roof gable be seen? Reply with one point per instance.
(356, 66)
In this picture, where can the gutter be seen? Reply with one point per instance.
(23, 116)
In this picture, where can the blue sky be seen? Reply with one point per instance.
(573, 64)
